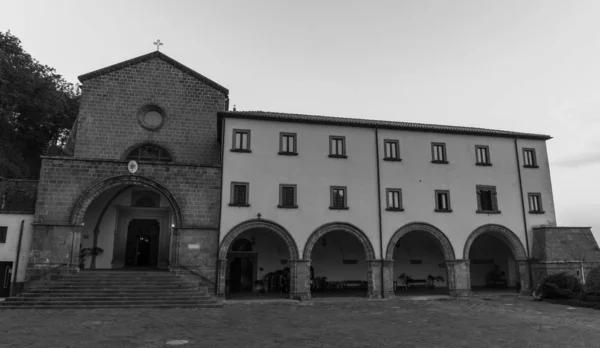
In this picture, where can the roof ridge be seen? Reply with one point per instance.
(384, 123)
(148, 56)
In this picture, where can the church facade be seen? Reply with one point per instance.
(159, 174)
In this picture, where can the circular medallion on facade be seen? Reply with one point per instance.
(151, 117)
(132, 166)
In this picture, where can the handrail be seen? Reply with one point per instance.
(197, 274)
(53, 268)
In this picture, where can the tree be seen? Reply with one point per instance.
(37, 109)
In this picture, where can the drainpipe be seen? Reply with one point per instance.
(16, 271)
(217, 275)
(379, 215)
(524, 214)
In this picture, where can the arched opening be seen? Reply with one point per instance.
(339, 257)
(126, 222)
(493, 252)
(419, 252)
(257, 259)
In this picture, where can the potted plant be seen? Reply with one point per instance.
(85, 252)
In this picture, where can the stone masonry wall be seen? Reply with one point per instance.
(108, 125)
(196, 189)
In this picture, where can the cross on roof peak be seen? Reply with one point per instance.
(157, 43)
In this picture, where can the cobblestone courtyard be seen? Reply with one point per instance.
(475, 322)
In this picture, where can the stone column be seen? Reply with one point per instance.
(221, 276)
(524, 276)
(388, 279)
(300, 280)
(374, 278)
(459, 277)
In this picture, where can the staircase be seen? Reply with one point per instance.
(115, 289)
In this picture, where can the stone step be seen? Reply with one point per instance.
(113, 293)
(106, 299)
(106, 306)
(118, 282)
(117, 302)
(117, 286)
(116, 290)
(123, 274)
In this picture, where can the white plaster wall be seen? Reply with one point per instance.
(418, 178)
(419, 246)
(489, 247)
(8, 250)
(108, 223)
(327, 260)
(270, 250)
(312, 171)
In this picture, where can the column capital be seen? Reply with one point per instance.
(300, 261)
(458, 262)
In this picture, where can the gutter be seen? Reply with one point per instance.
(523, 212)
(379, 211)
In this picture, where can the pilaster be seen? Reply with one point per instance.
(300, 282)
(459, 278)
(524, 276)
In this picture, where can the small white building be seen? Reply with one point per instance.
(17, 203)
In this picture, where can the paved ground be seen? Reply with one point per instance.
(476, 322)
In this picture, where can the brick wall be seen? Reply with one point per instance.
(63, 180)
(18, 196)
(108, 124)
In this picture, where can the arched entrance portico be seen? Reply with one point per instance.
(240, 250)
(334, 273)
(130, 219)
(417, 256)
(497, 258)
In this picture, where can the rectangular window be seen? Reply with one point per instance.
(287, 196)
(442, 201)
(337, 146)
(487, 201)
(529, 158)
(3, 231)
(339, 200)
(394, 199)
(239, 194)
(392, 150)
(535, 203)
(287, 144)
(241, 140)
(438, 153)
(482, 155)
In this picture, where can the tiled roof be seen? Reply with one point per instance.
(155, 54)
(356, 122)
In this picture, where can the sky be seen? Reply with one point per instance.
(529, 66)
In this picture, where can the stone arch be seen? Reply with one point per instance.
(169, 151)
(339, 226)
(92, 192)
(258, 223)
(508, 236)
(445, 244)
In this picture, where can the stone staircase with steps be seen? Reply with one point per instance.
(115, 289)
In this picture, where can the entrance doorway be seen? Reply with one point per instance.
(142, 243)
(241, 273)
(5, 278)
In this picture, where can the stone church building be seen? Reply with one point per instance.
(160, 175)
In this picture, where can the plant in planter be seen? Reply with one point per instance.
(84, 253)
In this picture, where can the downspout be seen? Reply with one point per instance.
(524, 215)
(97, 227)
(379, 210)
(221, 201)
(16, 272)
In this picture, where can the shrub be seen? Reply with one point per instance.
(561, 285)
(592, 281)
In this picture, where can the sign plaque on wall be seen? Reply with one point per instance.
(193, 246)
